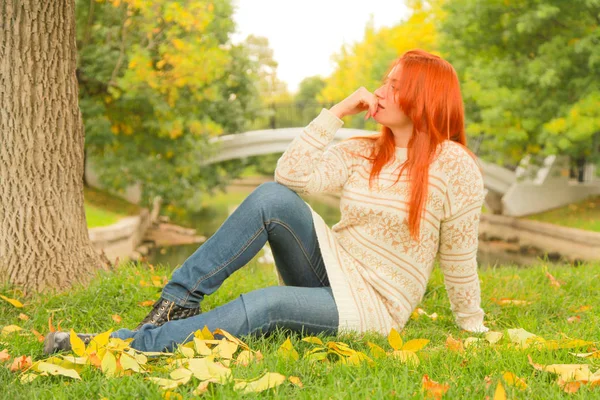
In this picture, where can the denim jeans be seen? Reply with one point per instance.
(271, 212)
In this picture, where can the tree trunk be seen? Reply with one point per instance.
(44, 242)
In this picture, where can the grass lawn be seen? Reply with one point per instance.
(583, 215)
(119, 292)
(103, 209)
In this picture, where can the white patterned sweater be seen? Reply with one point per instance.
(378, 273)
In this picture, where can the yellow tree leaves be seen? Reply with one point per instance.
(14, 302)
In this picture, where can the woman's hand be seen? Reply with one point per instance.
(358, 101)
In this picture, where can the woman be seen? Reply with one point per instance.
(406, 194)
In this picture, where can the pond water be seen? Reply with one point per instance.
(217, 209)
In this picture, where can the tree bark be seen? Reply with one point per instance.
(44, 242)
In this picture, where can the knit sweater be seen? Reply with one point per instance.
(377, 271)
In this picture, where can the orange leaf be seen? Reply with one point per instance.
(116, 318)
(147, 303)
(454, 344)
(506, 301)
(23, 317)
(38, 335)
(50, 326)
(553, 280)
(582, 309)
(434, 389)
(569, 387)
(575, 318)
(4, 356)
(21, 363)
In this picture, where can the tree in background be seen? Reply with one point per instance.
(530, 71)
(44, 242)
(365, 63)
(158, 80)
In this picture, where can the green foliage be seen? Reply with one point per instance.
(157, 81)
(530, 71)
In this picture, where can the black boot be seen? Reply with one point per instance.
(61, 341)
(164, 311)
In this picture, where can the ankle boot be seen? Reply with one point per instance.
(164, 311)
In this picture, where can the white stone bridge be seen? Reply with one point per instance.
(511, 193)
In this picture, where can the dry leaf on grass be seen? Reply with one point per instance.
(434, 389)
(14, 302)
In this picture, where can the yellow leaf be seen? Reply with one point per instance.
(98, 344)
(594, 354)
(225, 349)
(205, 368)
(201, 389)
(4, 356)
(166, 384)
(295, 380)
(201, 347)
(471, 341)
(267, 381)
(313, 339)
(514, 380)
(506, 301)
(415, 344)
(567, 372)
(245, 358)
(287, 350)
(500, 393)
(493, 337)
(109, 364)
(564, 344)
(169, 395)
(14, 302)
(376, 351)
(117, 318)
(10, 329)
(147, 303)
(186, 351)
(341, 348)
(204, 334)
(406, 356)
(129, 362)
(26, 378)
(57, 370)
(521, 338)
(231, 338)
(77, 344)
(181, 374)
(395, 340)
(23, 317)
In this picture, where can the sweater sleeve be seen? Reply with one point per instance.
(306, 167)
(459, 241)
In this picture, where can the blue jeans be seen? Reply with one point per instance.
(271, 212)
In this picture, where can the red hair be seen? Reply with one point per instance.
(428, 92)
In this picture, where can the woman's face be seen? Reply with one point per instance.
(389, 112)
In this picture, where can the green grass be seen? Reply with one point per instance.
(119, 291)
(103, 209)
(583, 215)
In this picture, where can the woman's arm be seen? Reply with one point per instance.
(306, 167)
(459, 232)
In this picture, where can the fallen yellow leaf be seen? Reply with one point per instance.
(454, 344)
(267, 381)
(296, 381)
(395, 340)
(14, 302)
(23, 317)
(117, 318)
(53, 369)
(10, 329)
(147, 303)
(513, 380)
(287, 350)
(500, 393)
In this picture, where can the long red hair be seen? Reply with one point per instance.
(428, 92)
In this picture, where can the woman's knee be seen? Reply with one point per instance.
(275, 197)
